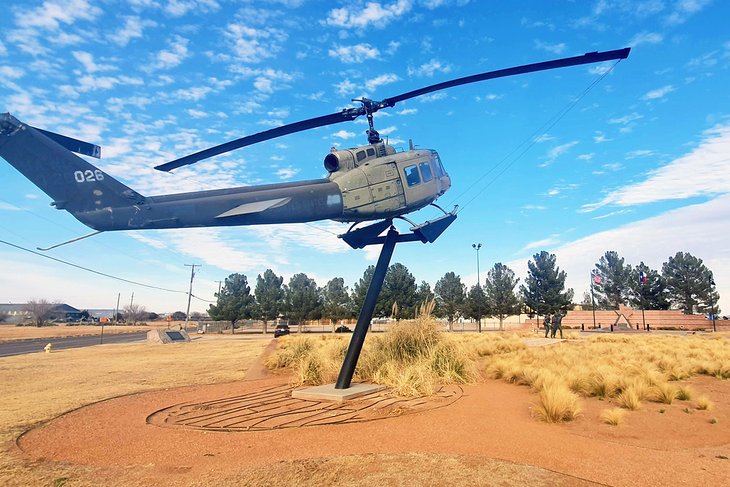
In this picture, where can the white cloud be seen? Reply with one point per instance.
(408, 111)
(432, 97)
(358, 53)
(557, 48)
(429, 68)
(383, 79)
(287, 173)
(703, 171)
(557, 151)
(3, 49)
(345, 87)
(541, 244)
(170, 58)
(374, 13)
(684, 9)
(87, 61)
(132, 29)
(658, 93)
(626, 119)
(691, 229)
(645, 38)
(178, 8)
(253, 45)
(344, 134)
(11, 72)
(52, 14)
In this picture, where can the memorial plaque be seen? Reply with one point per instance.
(175, 336)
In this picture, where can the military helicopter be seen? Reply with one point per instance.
(373, 182)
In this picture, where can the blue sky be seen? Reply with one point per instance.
(640, 164)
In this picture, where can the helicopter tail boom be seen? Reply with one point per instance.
(46, 160)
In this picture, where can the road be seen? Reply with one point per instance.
(19, 347)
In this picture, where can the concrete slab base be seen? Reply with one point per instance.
(328, 392)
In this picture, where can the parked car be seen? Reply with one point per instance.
(281, 330)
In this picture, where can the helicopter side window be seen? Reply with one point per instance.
(412, 176)
(360, 155)
(425, 172)
(371, 152)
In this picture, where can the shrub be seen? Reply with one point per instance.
(664, 393)
(684, 393)
(613, 416)
(556, 403)
(704, 403)
(629, 398)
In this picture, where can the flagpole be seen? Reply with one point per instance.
(593, 302)
(642, 282)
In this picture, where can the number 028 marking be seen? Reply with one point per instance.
(88, 176)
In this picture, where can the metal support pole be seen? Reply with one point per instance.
(366, 313)
(479, 288)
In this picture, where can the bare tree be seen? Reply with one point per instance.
(39, 310)
(134, 313)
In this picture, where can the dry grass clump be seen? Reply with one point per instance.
(625, 369)
(664, 393)
(704, 403)
(613, 416)
(629, 399)
(556, 403)
(412, 358)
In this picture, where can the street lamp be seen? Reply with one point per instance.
(712, 303)
(476, 247)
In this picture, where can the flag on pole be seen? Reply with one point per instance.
(597, 279)
(642, 277)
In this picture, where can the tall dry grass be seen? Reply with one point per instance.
(412, 357)
(625, 370)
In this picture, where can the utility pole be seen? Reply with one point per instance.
(190, 292)
(116, 311)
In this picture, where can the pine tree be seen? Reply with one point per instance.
(449, 297)
(650, 294)
(613, 290)
(399, 288)
(544, 288)
(689, 283)
(475, 304)
(234, 301)
(269, 295)
(336, 301)
(302, 298)
(500, 292)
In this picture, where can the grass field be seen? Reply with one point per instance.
(38, 387)
(625, 371)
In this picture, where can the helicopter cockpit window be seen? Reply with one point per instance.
(436, 160)
(425, 172)
(360, 155)
(371, 152)
(412, 176)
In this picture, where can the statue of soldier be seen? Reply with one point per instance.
(557, 324)
(546, 324)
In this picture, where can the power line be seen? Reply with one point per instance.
(528, 143)
(93, 271)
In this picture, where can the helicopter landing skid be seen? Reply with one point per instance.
(426, 232)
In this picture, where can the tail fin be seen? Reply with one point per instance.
(45, 159)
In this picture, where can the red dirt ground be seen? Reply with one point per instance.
(490, 421)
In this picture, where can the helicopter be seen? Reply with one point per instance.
(373, 182)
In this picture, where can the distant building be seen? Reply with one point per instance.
(18, 314)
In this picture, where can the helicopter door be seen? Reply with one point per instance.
(386, 188)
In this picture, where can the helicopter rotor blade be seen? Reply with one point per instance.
(370, 106)
(343, 116)
(588, 58)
